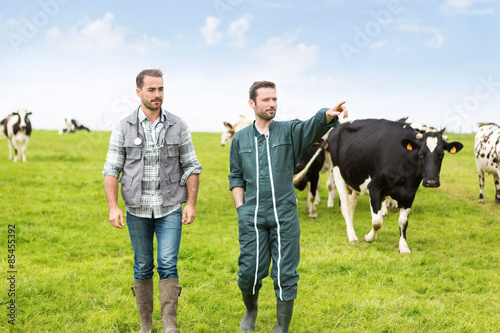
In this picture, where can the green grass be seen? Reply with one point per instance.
(74, 271)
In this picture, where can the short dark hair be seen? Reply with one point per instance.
(260, 84)
(139, 81)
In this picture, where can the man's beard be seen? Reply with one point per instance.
(150, 105)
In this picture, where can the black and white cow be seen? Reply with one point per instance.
(487, 150)
(17, 129)
(72, 125)
(2, 126)
(385, 159)
(310, 162)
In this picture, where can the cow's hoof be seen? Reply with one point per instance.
(354, 242)
(481, 201)
(404, 251)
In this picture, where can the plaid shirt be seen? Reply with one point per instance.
(151, 199)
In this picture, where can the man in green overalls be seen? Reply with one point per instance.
(262, 163)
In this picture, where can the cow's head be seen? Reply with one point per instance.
(226, 137)
(431, 147)
(23, 118)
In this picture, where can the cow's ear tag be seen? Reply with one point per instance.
(453, 150)
(409, 147)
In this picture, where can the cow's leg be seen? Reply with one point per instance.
(317, 199)
(481, 185)
(311, 196)
(403, 224)
(345, 206)
(16, 144)
(383, 208)
(497, 186)
(23, 150)
(330, 186)
(376, 205)
(10, 148)
(308, 200)
(353, 200)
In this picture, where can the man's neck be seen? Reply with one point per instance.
(151, 114)
(263, 125)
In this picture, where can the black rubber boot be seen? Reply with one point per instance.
(284, 311)
(248, 322)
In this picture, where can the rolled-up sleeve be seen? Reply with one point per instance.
(115, 158)
(236, 174)
(189, 161)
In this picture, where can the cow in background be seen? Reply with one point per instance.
(386, 159)
(419, 127)
(310, 163)
(228, 136)
(72, 126)
(17, 129)
(2, 126)
(313, 162)
(487, 151)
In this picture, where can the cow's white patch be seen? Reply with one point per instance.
(432, 144)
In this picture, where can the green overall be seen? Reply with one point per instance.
(268, 221)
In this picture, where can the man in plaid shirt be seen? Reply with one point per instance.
(153, 151)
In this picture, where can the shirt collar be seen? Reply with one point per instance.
(142, 116)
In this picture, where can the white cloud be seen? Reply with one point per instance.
(471, 7)
(433, 37)
(237, 30)
(209, 31)
(102, 36)
(281, 57)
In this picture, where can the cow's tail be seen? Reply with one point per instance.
(298, 177)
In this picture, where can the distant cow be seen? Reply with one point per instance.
(2, 126)
(17, 129)
(387, 159)
(228, 136)
(487, 149)
(72, 125)
(419, 127)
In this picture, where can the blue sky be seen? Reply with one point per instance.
(437, 62)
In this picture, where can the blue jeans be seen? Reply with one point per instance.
(168, 235)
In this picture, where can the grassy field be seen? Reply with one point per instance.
(74, 271)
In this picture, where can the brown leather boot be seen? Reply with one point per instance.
(170, 290)
(143, 292)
